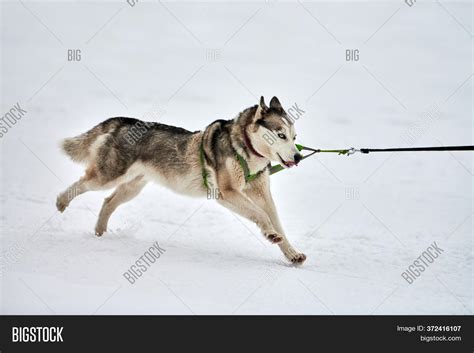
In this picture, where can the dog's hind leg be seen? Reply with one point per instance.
(124, 192)
(259, 192)
(88, 182)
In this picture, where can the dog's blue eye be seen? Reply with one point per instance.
(282, 136)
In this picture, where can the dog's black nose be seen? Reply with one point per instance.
(297, 158)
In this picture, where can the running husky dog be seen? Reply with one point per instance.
(231, 157)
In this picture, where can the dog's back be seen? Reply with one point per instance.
(120, 149)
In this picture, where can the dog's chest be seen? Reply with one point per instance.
(257, 165)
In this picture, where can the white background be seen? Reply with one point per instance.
(361, 220)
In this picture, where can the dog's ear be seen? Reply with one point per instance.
(261, 108)
(275, 103)
(262, 104)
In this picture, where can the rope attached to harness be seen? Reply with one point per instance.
(276, 168)
(349, 151)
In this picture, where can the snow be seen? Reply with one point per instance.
(361, 220)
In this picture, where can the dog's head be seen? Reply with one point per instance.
(272, 134)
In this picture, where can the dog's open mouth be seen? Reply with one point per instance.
(286, 164)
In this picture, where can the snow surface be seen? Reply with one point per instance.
(361, 220)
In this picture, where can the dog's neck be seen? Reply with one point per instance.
(256, 162)
(248, 144)
(242, 144)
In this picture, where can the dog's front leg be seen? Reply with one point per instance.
(259, 192)
(237, 202)
(230, 184)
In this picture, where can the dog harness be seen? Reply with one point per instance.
(245, 168)
(243, 164)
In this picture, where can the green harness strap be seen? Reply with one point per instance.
(278, 167)
(243, 163)
(273, 169)
(245, 168)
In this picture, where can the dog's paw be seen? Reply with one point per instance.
(274, 238)
(100, 229)
(298, 259)
(61, 203)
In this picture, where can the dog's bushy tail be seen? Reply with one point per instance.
(78, 148)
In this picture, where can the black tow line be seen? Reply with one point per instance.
(276, 168)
